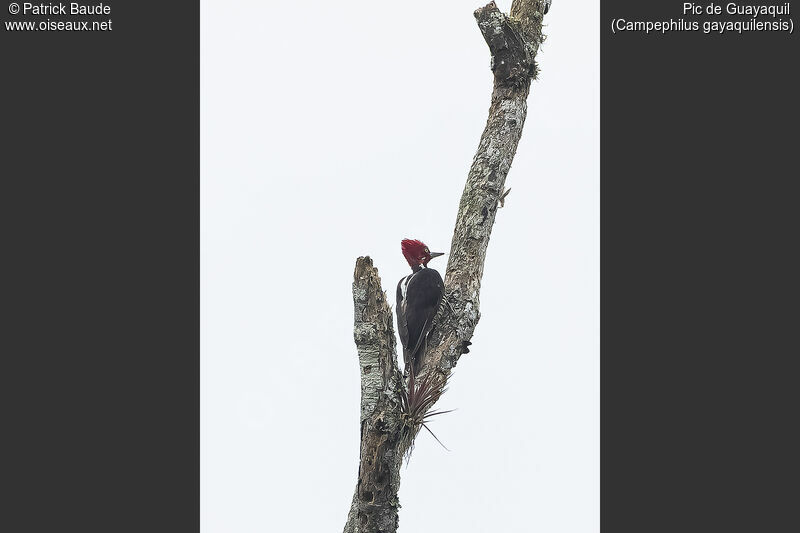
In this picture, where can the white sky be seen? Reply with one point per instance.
(332, 130)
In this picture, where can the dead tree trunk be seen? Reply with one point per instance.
(385, 433)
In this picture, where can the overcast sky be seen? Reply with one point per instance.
(332, 130)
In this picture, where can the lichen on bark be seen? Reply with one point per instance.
(513, 42)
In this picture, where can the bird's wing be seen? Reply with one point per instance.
(423, 296)
(425, 328)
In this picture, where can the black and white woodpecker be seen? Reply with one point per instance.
(418, 298)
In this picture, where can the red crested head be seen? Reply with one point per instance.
(417, 253)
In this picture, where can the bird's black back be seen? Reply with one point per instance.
(415, 311)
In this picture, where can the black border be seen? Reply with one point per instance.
(100, 203)
(698, 276)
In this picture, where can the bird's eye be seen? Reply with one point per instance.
(427, 251)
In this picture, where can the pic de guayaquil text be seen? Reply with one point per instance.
(732, 8)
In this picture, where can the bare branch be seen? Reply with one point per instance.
(374, 336)
(375, 505)
(513, 42)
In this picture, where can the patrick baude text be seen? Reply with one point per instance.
(73, 8)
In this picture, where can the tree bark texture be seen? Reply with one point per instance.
(375, 503)
(385, 434)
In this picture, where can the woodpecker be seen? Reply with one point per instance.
(418, 298)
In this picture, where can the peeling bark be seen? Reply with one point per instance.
(375, 504)
(513, 43)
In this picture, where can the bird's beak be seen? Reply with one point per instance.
(436, 254)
